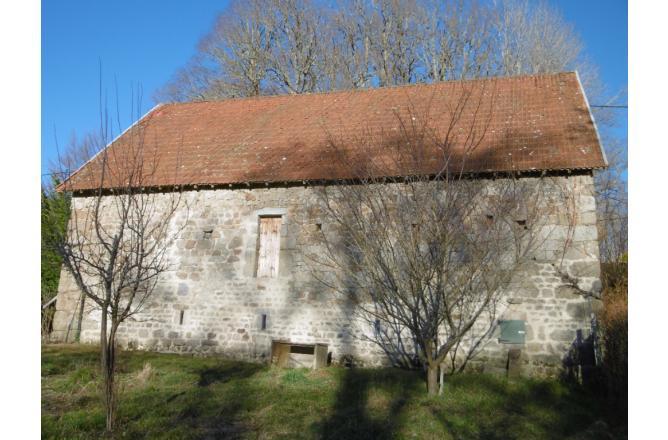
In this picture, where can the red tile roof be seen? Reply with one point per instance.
(539, 122)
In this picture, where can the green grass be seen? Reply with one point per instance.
(185, 397)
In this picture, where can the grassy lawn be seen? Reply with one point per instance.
(184, 397)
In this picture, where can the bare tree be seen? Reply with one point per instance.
(297, 46)
(349, 45)
(611, 205)
(199, 80)
(395, 35)
(427, 258)
(75, 153)
(458, 40)
(240, 47)
(534, 38)
(295, 50)
(256, 47)
(117, 238)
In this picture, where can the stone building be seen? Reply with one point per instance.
(248, 169)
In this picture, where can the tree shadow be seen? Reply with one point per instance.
(213, 411)
(579, 363)
(368, 404)
(582, 369)
(499, 409)
(210, 410)
(226, 372)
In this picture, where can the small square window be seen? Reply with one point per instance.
(512, 331)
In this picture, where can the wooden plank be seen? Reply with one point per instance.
(270, 244)
(280, 354)
(285, 354)
(320, 356)
(274, 246)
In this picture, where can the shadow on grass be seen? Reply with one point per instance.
(474, 406)
(493, 408)
(368, 404)
(63, 358)
(226, 372)
(186, 397)
(210, 410)
(208, 398)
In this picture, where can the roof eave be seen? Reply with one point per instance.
(312, 181)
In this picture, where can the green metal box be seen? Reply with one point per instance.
(512, 331)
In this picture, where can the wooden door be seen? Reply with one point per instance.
(270, 244)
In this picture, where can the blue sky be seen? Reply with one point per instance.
(138, 43)
(144, 42)
(603, 27)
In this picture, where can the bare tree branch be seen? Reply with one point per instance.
(117, 238)
(429, 257)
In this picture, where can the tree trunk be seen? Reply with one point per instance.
(103, 341)
(432, 378)
(109, 383)
(108, 360)
(77, 331)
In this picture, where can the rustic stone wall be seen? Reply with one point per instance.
(210, 301)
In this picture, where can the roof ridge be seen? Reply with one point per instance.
(372, 89)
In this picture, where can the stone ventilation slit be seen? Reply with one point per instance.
(264, 322)
(181, 313)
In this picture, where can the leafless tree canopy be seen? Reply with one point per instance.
(262, 47)
(612, 205)
(427, 259)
